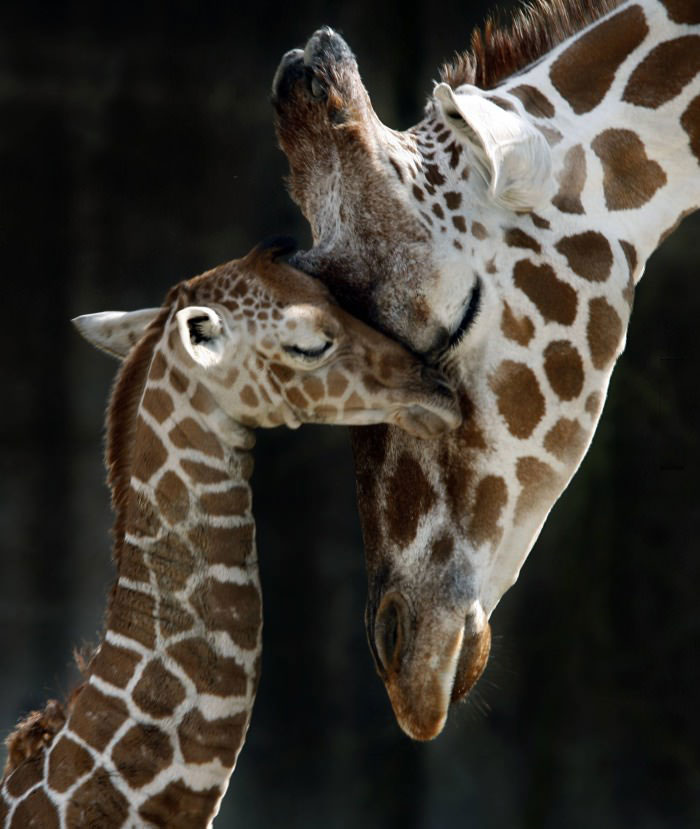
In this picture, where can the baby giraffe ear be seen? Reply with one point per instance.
(115, 331)
(512, 156)
(202, 333)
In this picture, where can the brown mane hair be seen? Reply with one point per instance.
(534, 30)
(121, 417)
(38, 729)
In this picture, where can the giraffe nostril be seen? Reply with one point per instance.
(391, 627)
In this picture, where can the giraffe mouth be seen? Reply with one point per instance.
(315, 69)
(472, 661)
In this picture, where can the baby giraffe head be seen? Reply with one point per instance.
(262, 344)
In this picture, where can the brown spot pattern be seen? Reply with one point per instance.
(554, 299)
(516, 238)
(131, 614)
(202, 473)
(630, 179)
(158, 366)
(233, 608)
(566, 440)
(249, 397)
(283, 373)
(231, 546)
(665, 71)
(583, 73)
(37, 812)
(433, 175)
(203, 740)
(115, 665)
(26, 775)
(519, 398)
(409, 497)
(202, 399)
(188, 434)
(479, 230)
(158, 692)
(589, 255)
(631, 256)
(453, 199)
(490, 498)
(211, 673)
(172, 570)
(97, 803)
(234, 501)
(96, 717)
(594, 402)
(173, 498)
(151, 455)
(296, 398)
(131, 563)
(571, 179)
(141, 754)
(178, 380)
(533, 100)
(337, 383)
(604, 332)
(520, 330)
(690, 121)
(683, 11)
(564, 369)
(179, 807)
(540, 485)
(459, 223)
(442, 548)
(158, 403)
(313, 388)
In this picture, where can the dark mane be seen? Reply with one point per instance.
(500, 51)
(121, 417)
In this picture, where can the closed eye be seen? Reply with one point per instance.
(308, 353)
(468, 318)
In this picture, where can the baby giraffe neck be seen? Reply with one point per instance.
(153, 735)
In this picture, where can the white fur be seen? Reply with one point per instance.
(115, 331)
(511, 155)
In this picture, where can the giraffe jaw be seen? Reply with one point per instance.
(427, 663)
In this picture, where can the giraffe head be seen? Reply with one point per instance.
(467, 238)
(268, 346)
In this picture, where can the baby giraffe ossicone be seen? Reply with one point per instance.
(152, 735)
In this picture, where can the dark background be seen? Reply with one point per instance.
(137, 149)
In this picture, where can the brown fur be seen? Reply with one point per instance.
(33, 734)
(497, 52)
(121, 418)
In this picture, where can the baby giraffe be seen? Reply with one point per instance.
(152, 735)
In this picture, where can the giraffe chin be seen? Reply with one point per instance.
(421, 677)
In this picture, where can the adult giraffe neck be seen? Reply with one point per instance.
(154, 732)
(617, 106)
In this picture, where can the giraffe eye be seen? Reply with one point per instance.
(308, 353)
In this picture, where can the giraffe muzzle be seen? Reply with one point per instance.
(427, 663)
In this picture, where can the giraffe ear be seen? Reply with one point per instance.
(512, 156)
(202, 333)
(115, 331)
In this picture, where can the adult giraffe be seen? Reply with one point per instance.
(152, 735)
(502, 237)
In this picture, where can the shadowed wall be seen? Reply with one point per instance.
(137, 149)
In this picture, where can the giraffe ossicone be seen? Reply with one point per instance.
(502, 237)
(152, 735)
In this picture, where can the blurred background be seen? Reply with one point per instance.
(137, 149)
